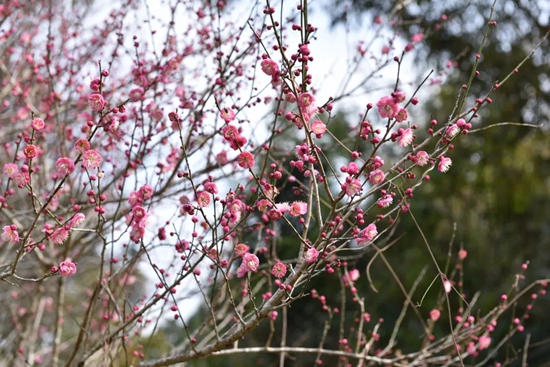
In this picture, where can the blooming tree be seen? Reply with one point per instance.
(143, 160)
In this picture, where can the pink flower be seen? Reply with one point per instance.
(30, 151)
(350, 277)
(91, 159)
(402, 115)
(377, 176)
(282, 207)
(377, 161)
(452, 131)
(135, 198)
(245, 160)
(203, 199)
(447, 286)
(22, 179)
(96, 101)
(67, 268)
(146, 192)
(367, 235)
(422, 158)
(269, 67)
(136, 94)
(462, 254)
(318, 127)
(385, 201)
(406, 138)
(399, 96)
(38, 124)
(471, 348)
(305, 100)
(311, 255)
(417, 37)
(82, 146)
(241, 249)
(59, 236)
(298, 208)
(227, 114)
(10, 234)
(65, 166)
(77, 220)
(444, 164)
(435, 314)
(278, 270)
(10, 169)
(230, 132)
(250, 263)
(484, 342)
(352, 186)
(387, 108)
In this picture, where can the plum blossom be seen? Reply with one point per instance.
(203, 199)
(385, 201)
(10, 169)
(406, 138)
(484, 342)
(269, 67)
(278, 270)
(311, 255)
(64, 166)
(305, 100)
(377, 176)
(318, 127)
(298, 208)
(352, 186)
(435, 314)
(402, 115)
(77, 220)
(245, 160)
(10, 234)
(367, 235)
(96, 101)
(444, 164)
(387, 108)
(422, 158)
(59, 236)
(350, 277)
(67, 268)
(250, 263)
(38, 124)
(452, 131)
(91, 159)
(146, 191)
(227, 114)
(241, 249)
(82, 146)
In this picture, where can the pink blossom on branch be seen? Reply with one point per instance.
(91, 159)
(38, 124)
(67, 268)
(278, 270)
(311, 255)
(245, 160)
(96, 101)
(387, 108)
(269, 67)
(376, 177)
(250, 263)
(10, 170)
(405, 138)
(10, 234)
(298, 208)
(444, 164)
(65, 166)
